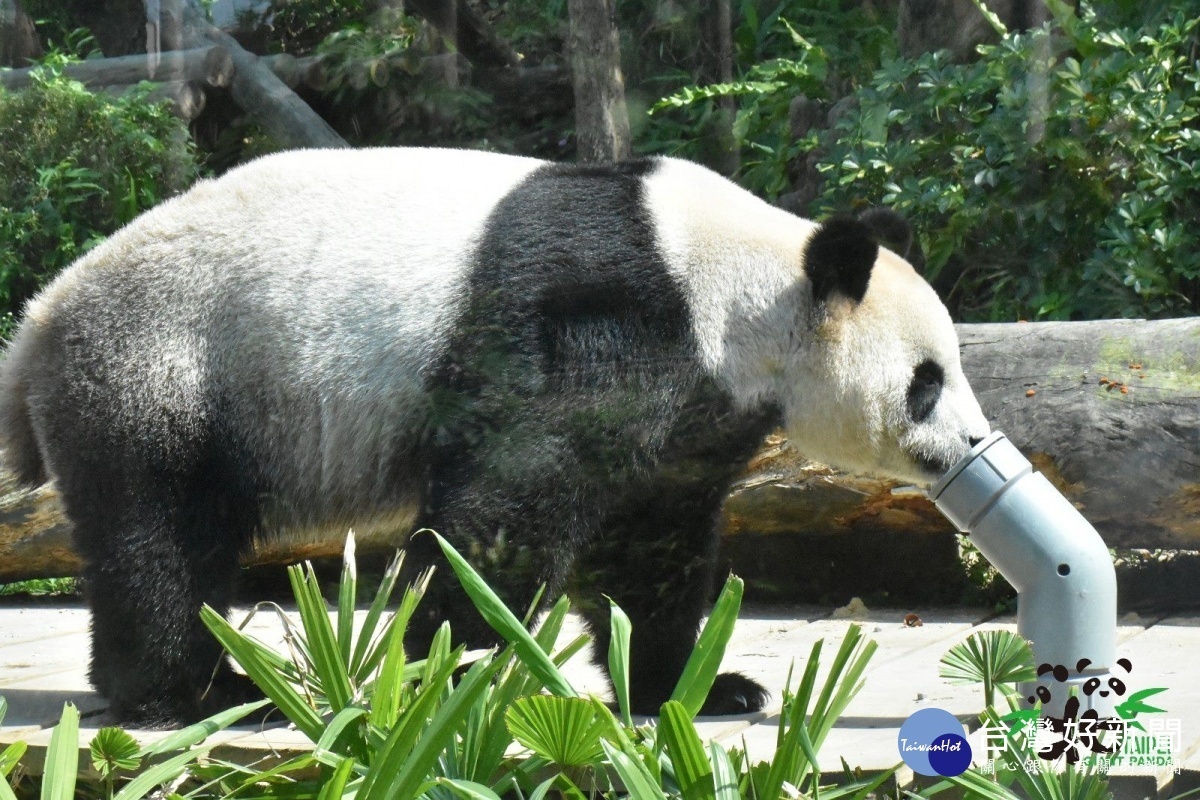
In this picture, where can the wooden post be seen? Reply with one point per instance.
(601, 119)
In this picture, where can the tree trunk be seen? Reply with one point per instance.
(211, 65)
(719, 63)
(1129, 460)
(601, 119)
(923, 26)
(469, 31)
(19, 42)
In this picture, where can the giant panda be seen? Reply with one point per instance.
(561, 368)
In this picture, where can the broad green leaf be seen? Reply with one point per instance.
(157, 775)
(505, 622)
(366, 645)
(564, 730)
(335, 787)
(62, 757)
(469, 789)
(683, 745)
(193, 734)
(113, 749)
(10, 757)
(331, 669)
(725, 776)
(637, 778)
(347, 598)
(705, 661)
(989, 658)
(618, 658)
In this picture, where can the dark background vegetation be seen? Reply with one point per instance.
(1052, 172)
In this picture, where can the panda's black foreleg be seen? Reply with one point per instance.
(517, 511)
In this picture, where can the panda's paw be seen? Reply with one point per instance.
(734, 693)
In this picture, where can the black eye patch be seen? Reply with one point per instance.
(925, 390)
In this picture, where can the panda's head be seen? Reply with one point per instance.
(882, 390)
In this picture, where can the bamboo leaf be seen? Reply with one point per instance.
(439, 733)
(263, 672)
(385, 700)
(705, 661)
(331, 669)
(725, 777)
(634, 774)
(618, 658)
(333, 731)
(62, 757)
(157, 775)
(363, 647)
(683, 745)
(347, 598)
(335, 787)
(196, 733)
(505, 623)
(10, 757)
(468, 789)
(394, 752)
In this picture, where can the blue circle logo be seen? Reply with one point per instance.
(931, 741)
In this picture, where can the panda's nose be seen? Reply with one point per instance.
(974, 440)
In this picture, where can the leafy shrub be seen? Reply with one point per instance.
(1058, 177)
(818, 50)
(76, 167)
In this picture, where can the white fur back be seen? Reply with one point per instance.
(325, 282)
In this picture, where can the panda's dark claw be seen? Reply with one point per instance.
(734, 693)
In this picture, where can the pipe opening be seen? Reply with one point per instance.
(1064, 569)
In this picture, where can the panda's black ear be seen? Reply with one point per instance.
(839, 258)
(889, 229)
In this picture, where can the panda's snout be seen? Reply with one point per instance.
(974, 440)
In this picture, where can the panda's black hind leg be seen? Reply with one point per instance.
(158, 546)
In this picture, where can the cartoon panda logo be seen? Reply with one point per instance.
(1113, 687)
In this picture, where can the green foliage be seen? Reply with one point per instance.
(1058, 177)
(76, 167)
(783, 50)
(39, 586)
(385, 727)
(992, 658)
(298, 26)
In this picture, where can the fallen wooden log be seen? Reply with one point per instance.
(1130, 460)
(262, 95)
(210, 64)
